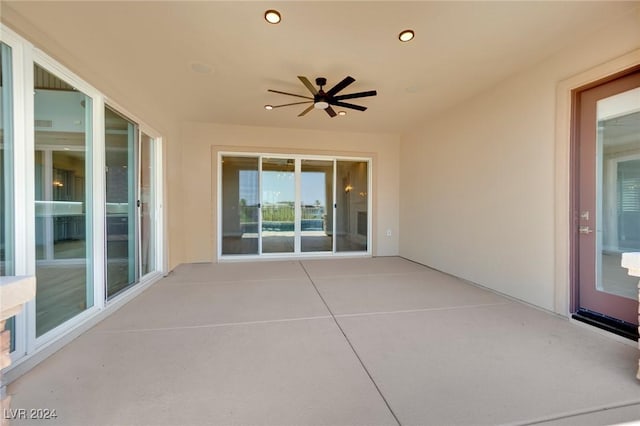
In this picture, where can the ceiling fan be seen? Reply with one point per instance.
(324, 100)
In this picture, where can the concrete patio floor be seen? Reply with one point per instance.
(380, 341)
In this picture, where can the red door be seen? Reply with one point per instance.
(607, 200)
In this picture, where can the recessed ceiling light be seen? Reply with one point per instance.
(272, 16)
(342, 112)
(406, 35)
(268, 107)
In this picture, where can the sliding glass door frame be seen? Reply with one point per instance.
(94, 125)
(135, 200)
(297, 252)
(156, 211)
(23, 57)
(20, 55)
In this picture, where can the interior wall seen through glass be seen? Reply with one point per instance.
(62, 200)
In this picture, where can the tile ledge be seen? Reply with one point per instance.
(15, 291)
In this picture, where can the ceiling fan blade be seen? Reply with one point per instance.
(306, 111)
(295, 103)
(356, 95)
(308, 84)
(346, 105)
(330, 111)
(338, 87)
(290, 94)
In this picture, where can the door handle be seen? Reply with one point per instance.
(584, 229)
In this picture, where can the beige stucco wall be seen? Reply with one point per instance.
(477, 181)
(202, 141)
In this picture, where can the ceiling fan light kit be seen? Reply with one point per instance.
(325, 100)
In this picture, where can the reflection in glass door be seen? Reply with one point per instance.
(62, 200)
(278, 205)
(316, 223)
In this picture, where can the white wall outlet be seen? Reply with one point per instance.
(388, 232)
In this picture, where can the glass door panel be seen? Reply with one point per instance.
(352, 206)
(240, 205)
(6, 162)
(316, 223)
(618, 201)
(278, 205)
(63, 195)
(147, 203)
(6, 177)
(120, 208)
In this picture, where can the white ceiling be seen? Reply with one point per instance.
(461, 48)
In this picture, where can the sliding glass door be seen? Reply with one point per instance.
(80, 196)
(284, 205)
(316, 203)
(63, 193)
(278, 205)
(130, 200)
(240, 205)
(352, 206)
(120, 207)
